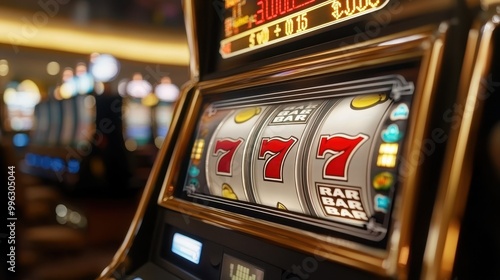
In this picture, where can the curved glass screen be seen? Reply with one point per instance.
(326, 155)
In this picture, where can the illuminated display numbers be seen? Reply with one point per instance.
(277, 20)
(292, 25)
(301, 24)
(340, 9)
(348, 8)
(275, 150)
(259, 38)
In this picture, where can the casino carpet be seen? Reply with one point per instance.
(52, 247)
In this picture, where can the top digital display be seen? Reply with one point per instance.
(251, 25)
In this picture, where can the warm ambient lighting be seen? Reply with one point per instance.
(19, 30)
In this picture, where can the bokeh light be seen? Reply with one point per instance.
(4, 67)
(53, 68)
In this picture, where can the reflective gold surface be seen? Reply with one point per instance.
(455, 182)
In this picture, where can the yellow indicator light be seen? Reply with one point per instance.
(387, 148)
(197, 151)
(385, 160)
(387, 155)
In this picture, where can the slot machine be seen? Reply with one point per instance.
(138, 132)
(70, 119)
(42, 120)
(56, 122)
(138, 114)
(19, 115)
(327, 140)
(79, 146)
(167, 94)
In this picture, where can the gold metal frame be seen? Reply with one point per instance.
(425, 44)
(455, 182)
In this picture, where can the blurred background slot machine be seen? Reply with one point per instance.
(138, 102)
(20, 100)
(56, 122)
(167, 94)
(42, 120)
(69, 120)
(78, 141)
(147, 113)
(77, 172)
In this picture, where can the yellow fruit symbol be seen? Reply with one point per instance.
(281, 206)
(227, 192)
(246, 114)
(367, 101)
(383, 181)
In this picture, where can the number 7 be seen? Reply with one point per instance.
(225, 149)
(278, 149)
(342, 147)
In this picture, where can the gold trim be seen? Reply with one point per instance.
(340, 59)
(449, 207)
(179, 151)
(191, 28)
(429, 70)
(422, 44)
(319, 245)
